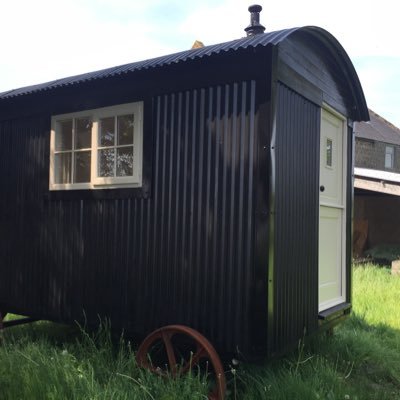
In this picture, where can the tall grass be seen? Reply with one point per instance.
(360, 361)
(42, 363)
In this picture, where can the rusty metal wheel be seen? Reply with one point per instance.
(176, 349)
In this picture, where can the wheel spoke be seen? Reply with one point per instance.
(170, 352)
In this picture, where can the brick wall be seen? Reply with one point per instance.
(371, 154)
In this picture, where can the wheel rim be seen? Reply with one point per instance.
(175, 361)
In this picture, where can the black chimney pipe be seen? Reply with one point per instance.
(255, 28)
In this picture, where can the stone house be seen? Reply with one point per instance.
(377, 144)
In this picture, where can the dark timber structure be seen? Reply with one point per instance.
(223, 233)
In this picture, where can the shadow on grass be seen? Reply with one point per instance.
(360, 361)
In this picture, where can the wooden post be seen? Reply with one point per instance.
(396, 267)
(329, 332)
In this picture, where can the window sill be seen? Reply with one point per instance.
(98, 194)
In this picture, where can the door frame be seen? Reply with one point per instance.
(328, 304)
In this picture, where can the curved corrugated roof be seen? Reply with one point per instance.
(271, 38)
(262, 40)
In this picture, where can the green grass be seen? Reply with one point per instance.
(360, 361)
(47, 361)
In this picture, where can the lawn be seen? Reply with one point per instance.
(360, 361)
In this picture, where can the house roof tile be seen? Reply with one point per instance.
(377, 129)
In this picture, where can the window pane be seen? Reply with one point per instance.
(82, 166)
(106, 162)
(389, 156)
(125, 161)
(107, 132)
(125, 129)
(388, 161)
(83, 133)
(62, 168)
(329, 150)
(64, 135)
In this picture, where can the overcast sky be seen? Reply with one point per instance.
(42, 40)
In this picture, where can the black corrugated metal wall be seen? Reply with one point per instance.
(203, 209)
(23, 161)
(184, 255)
(296, 203)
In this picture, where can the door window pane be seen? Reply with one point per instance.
(125, 161)
(329, 151)
(107, 132)
(125, 129)
(63, 139)
(62, 168)
(82, 166)
(83, 133)
(106, 162)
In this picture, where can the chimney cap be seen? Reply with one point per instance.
(255, 28)
(255, 8)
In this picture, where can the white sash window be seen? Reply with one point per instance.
(97, 149)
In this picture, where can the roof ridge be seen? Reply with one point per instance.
(384, 120)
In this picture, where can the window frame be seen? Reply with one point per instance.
(97, 182)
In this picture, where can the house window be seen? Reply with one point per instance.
(389, 157)
(97, 149)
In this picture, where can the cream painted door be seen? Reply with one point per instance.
(332, 211)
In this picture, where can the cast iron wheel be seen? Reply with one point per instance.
(176, 349)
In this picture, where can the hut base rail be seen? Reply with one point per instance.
(14, 322)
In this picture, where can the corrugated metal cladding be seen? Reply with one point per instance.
(296, 217)
(23, 185)
(185, 255)
(202, 232)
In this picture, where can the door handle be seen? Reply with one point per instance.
(322, 188)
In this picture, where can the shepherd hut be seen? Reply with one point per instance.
(210, 188)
